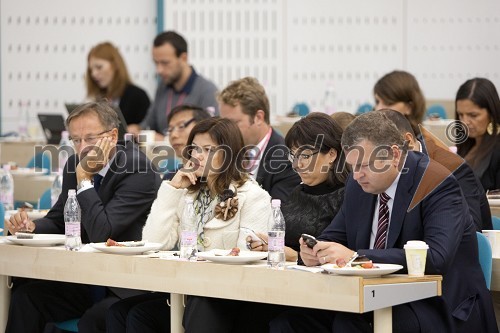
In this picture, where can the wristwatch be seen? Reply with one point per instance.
(84, 183)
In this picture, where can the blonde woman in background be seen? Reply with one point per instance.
(107, 77)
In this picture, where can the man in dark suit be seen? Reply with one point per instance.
(394, 196)
(116, 186)
(245, 102)
(471, 186)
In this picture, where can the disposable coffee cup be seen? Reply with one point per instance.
(416, 254)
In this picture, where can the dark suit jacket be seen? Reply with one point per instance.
(488, 169)
(275, 174)
(120, 209)
(471, 186)
(442, 220)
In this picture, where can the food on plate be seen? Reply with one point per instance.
(111, 242)
(362, 262)
(24, 235)
(235, 251)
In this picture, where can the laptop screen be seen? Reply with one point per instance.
(53, 125)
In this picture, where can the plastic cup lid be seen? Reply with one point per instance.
(416, 244)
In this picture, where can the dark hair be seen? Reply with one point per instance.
(173, 38)
(375, 127)
(198, 113)
(107, 115)
(249, 94)
(481, 92)
(226, 134)
(399, 120)
(401, 86)
(319, 131)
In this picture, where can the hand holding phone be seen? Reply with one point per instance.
(309, 240)
(249, 232)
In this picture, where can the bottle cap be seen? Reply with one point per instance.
(65, 134)
(276, 203)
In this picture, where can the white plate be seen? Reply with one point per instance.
(494, 202)
(29, 172)
(34, 214)
(382, 269)
(38, 240)
(126, 249)
(221, 256)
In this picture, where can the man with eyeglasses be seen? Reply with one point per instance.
(181, 121)
(181, 84)
(245, 102)
(116, 185)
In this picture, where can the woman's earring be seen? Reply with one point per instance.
(489, 129)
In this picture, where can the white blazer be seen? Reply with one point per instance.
(254, 212)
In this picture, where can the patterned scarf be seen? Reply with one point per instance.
(204, 212)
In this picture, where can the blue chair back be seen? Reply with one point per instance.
(40, 160)
(2, 215)
(436, 111)
(496, 222)
(46, 200)
(485, 257)
(364, 108)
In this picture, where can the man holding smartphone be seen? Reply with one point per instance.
(388, 189)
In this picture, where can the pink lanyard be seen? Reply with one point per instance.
(256, 157)
(170, 97)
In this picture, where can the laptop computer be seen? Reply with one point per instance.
(122, 128)
(52, 125)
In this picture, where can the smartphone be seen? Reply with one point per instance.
(249, 232)
(309, 240)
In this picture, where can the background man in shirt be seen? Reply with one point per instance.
(245, 102)
(180, 84)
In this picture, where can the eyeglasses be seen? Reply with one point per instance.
(301, 157)
(180, 127)
(90, 139)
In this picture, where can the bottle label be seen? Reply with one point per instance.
(276, 243)
(188, 238)
(72, 228)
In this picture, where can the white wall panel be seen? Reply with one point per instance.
(230, 39)
(44, 47)
(452, 41)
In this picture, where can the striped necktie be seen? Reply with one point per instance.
(383, 222)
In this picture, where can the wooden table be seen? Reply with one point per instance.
(31, 188)
(242, 282)
(19, 151)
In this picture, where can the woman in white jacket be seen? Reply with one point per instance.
(213, 172)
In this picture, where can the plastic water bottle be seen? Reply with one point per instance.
(276, 237)
(329, 100)
(7, 188)
(72, 222)
(56, 188)
(23, 120)
(189, 232)
(65, 149)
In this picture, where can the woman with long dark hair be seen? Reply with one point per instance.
(477, 105)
